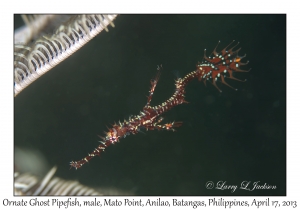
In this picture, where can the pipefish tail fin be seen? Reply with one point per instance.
(34, 60)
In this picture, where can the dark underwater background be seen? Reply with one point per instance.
(233, 136)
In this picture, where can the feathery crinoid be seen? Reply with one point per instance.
(34, 26)
(26, 184)
(33, 60)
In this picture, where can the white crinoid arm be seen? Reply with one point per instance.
(34, 60)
